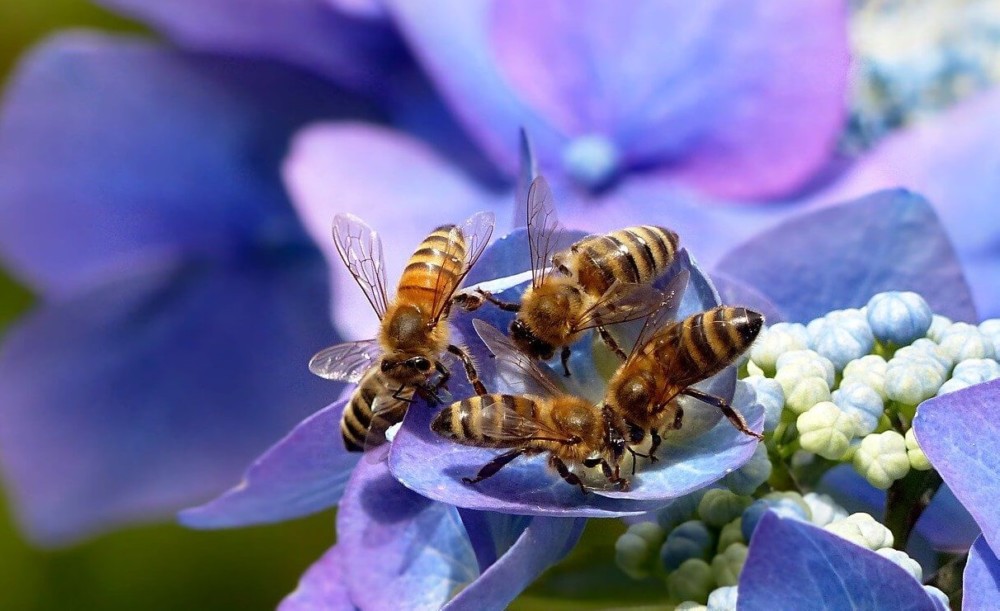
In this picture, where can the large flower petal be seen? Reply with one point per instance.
(311, 34)
(794, 565)
(839, 256)
(705, 93)
(952, 160)
(397, 184)
(322, 588)
(114, 150)
(960, 434)
(152, 392)
(402, 546)
(705, 90)
(303, 473)
(981, 581)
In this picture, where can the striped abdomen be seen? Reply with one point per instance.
(491, 421)
(358, 414)
(704, 344)
(634, 254)
(434, 268)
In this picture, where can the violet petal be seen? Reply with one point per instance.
(838, 257)
(158, 154)
(309, 34)
(981, 581)
(959, 433)
(794, 565)
(402, 546)
(322, 587)
(153, 392)
(303, 473)
(705, 90)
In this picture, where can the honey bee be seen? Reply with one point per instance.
(545, 419)
(598, 281)
(413, 336)
(671, 356)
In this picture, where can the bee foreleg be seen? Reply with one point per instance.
(564, 357)
(470, 369)
(614, 477)
(612, 344)
(397, 395)
(506, 306)
(490, 469)
(565, 473)
(445, 376)
(734, 416)
(656, 439)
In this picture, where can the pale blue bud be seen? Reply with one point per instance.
(861, 401)
(939, 324)
(991, 329)
(898, 318)
(775, 340)
(903, 560)
(912, 380)
(751, 475)
(722, 599)
(806, 363)
(823, 508)
(692, 539)
(964, 341)
(868, 370)
(770, 396)
(786, 505)
(862, 529)
(841, 336)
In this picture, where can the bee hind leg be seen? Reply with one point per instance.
(734, 416)
(566, 474)
(506, 306)
(470, 369)
(612, 344)
(490, 469)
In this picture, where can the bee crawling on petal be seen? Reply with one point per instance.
(413, 338)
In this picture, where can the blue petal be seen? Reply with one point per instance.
(402, 546)
(959, 433)
(735, 292)
(543, 543)
(687, 102)
(151, 393)
(116, 151)
(981, 582)
(794, 565)
(309, 34)
(838, 257)
(491, 534)
(303, 473)
(322, 588)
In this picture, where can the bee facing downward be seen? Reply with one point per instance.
(600, 280)
(669, 357)
(545, 419)
(413, 336)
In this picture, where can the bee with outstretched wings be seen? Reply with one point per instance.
(413, 336)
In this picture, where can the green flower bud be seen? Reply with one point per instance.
(775, 340)
(691, 581)
(826, 430)
(868, 370)
(731, 533)
(803, 393)
(918, 460)
(719, 506)
(726, 566)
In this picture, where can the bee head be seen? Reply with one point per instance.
(408, 371)
(528, 342)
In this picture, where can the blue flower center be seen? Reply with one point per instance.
(592, 161)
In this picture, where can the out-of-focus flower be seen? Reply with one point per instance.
(178, 294)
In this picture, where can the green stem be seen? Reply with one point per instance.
(905, 500)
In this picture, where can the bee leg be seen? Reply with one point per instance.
(612, 474)
(678, 417)
(490, 469)
(506, 306)
(399, 397)
(612, 344)
(734, 416)
(470, 369)
(656, 442)
(565, 473)
(564, 357)
(427, 393)
(445, 376)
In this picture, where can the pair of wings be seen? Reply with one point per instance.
(360, 247)
(622, 302)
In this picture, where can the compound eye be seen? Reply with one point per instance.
(421, 364)
(591, 462)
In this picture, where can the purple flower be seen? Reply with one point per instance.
(178, 296)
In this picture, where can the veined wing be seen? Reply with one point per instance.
(542, 228)
(386, 411)
(346, 362)
(360, 247)
(520, 372)
(501, 421)
(665, 312)
(474, 234)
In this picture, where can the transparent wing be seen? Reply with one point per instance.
(475, 233)
(520, 372)
(665, 312)
(542, 228)
(622, 302)
(361, 250)
(346, 362)
(501, 422)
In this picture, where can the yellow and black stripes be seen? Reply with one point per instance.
(434, 268)
(635, 255)
(358, 414)
(492, 421)
(706, 343)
